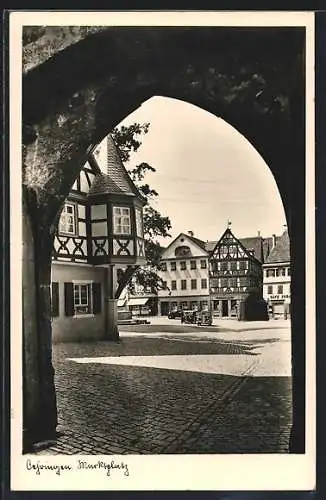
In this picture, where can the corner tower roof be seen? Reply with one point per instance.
(114, 178)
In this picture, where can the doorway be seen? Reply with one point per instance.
(164, 308)
(225, 309)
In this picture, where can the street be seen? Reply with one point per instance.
(170, 388)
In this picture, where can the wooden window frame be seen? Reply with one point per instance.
(121, 225)
(63, 219)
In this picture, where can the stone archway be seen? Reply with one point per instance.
(79, 83)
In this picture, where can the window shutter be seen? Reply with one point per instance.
(97, 298)
(54, 299)
(69, 299)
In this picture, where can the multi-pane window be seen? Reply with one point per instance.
(183, 284)
(193, 264)
(163, 266)
(173, 285)
(82, 298)
(203, 264)
(243, 281)
(243, 265)
(139, 222)
(280, 289)
(164, 285)
(233, 266)
(173, 266)
(121, 220)
(283, 271)
(193, 284)
(224, 266)
(183, 265)
(289, 271)
(224, 282)
(204, 283)
(270, 273)
(233, 282)
(270, 289)
(67, 222)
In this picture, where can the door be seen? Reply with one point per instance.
(164, 308)
(225, 309)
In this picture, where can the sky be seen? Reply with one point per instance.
(207, 173)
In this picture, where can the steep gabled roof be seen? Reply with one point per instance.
(281, 251)
(115, 178)
(260, 246)
(252, 245)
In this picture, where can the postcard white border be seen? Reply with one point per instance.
(160, 472)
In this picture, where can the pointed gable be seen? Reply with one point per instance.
(184, 246)
(230, 247)
(113, 178)
(260, 247)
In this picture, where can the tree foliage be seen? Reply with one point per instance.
(156, 225)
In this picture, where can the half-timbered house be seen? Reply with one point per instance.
(236, 279)
(98, 242)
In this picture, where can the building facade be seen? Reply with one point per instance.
(99, 236)
(184, 272)
(236, 278)
(277, 278)
(225, 276)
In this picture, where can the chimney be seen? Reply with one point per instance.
(274, 240)
(190, 233)
(258, 234)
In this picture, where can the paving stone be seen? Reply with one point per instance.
(129, 409)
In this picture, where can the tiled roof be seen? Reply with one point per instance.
(281, 251)
(250, 243)
(197, 241)
(116, 179)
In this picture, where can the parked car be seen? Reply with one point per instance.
(175, 314)
(188, 316)
(204, 318)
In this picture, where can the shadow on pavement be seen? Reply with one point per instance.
(105, 409)
(151, 347)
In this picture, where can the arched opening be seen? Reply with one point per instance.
(76, 118)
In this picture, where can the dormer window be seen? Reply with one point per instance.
(121, 220)
(67, 222)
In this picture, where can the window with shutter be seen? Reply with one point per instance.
(69, 299)
(54, 299)
(97, 298)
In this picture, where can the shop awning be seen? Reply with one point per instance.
(121, 302)
(137, 301)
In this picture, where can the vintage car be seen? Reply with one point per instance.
(204, 318)
(188, 316)
(177, 313)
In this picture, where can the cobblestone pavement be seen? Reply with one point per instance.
(173, 394)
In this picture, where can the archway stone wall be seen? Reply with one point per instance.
(80, 82)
